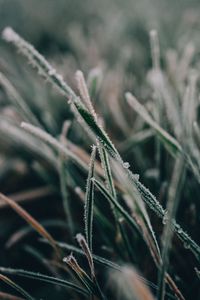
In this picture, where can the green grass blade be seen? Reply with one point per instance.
(43, 278)
(15, 286)
(98, 131)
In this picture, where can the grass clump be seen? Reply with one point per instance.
(137, 234)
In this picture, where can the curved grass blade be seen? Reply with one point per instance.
(31, 221)
(85, 248)
(171, 144)
(37, 60)
(172, 205)
(81, 274)
(112, 200)
(43, 278)
(92, 124)
(16, 287)
(46, 137)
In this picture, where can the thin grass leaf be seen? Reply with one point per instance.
(89, 201)
(37, 60)
(172, 205)
(85, 248)
(92, 124)
(137, 139)
(111, 199)
(94, 81)
(81, 274)
(16, 287)
(31, 221)
(43, 278)
(82, 86)
(44, 136)
(107, 170)
(12, 133)
(171, 144)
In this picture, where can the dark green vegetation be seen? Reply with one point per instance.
(100, 167)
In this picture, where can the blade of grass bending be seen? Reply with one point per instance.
(171, 144)
(13, 133)
(82, 86)
(137, 207)
(83, 244)
(46, 137)
(111, 188)
(154, 205)
(16, 287)
(31, 221)
(37, 60)
(43, 278)
(93, 125)
(89, 200)
(172, 205)
(107, 170)
(116, 204)
(81, 274)
(130, 220)
(85, 248)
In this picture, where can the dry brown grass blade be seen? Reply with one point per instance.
(31, 221)
(16, 287)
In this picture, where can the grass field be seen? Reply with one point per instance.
(99, 150)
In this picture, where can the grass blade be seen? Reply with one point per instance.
(172, 205)
(31, 221)
(16, 287)
(37, 60)
(43, 278)
(89, 201)
(171, 144)
(44, 136)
